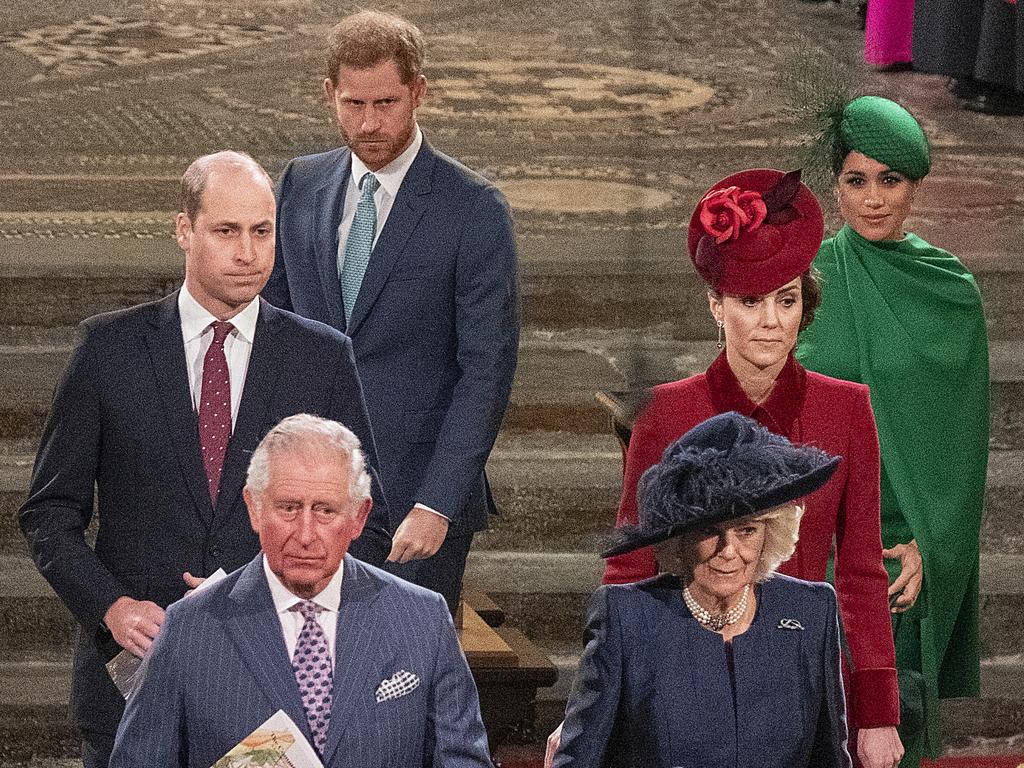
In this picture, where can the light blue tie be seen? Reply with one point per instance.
(359, 244)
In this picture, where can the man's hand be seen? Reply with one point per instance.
(879, 747)
(907, 585)
(553, 741)
(134, 623)
(420, 535)
(192, 582)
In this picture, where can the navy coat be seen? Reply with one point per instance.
(653, 687)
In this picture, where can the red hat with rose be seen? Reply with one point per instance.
(755, 231)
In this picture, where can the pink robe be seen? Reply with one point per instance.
(887, 35)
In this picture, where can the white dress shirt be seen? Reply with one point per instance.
(197, 335)
(390, 177)
(291, 621)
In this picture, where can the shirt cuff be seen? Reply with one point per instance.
(876, 698)
(431, 509)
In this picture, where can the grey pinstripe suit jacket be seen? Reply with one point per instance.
(219, 668)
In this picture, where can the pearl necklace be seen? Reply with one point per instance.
(716, 621)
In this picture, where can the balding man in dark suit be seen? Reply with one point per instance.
(157, 415)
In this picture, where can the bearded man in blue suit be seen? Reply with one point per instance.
(412, 255)
(366, 665)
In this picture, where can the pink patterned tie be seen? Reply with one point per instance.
(314, 672)
(215, 407)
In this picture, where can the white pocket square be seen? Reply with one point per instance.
(399, 684)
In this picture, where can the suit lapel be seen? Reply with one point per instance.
(406, 212)
(360, 652)
(257, 395)
(330, 202)
(254, 627)
(167, 354)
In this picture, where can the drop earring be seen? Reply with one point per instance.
(720, 342)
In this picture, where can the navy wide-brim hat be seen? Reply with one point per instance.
(725, 468)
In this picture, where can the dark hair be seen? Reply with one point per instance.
(368, 38)
(838, 150)
(810, 295)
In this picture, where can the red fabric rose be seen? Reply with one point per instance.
(725, 213)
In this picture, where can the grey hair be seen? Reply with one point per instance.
(304, 433)
(781, 531)
(193, 181)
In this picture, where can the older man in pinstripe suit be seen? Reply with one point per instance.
(368, 666)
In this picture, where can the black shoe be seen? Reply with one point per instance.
(997, 101)
(965, 87)
(896, 66)
(862, 16)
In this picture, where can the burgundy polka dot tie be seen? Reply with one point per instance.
(215, 407)
(313, 672)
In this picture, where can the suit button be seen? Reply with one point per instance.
(215, 551)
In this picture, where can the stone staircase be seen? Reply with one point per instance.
(602, 190)
(556, 471)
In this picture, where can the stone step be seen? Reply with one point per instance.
(559, 492)
(559, 372)
(34, 721)
(557, 377)
(605, 279)
(544, 594)
(35, 729)
(990, 724)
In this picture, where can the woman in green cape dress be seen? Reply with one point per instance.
(905, 318)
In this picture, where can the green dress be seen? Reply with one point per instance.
(905, 318)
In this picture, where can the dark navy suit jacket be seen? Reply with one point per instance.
(220, 668)
(653, 687)
(123, 424)
(435, 328)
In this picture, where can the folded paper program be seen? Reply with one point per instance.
(277, 743)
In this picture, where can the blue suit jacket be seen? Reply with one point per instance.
(653, 688)
(435, 328)
(123, 424)
(220, 668)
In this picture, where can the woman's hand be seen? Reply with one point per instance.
(904, 590)
(879, 747)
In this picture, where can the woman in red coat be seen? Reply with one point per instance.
(752, 239)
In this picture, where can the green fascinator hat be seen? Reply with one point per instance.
(886, 132)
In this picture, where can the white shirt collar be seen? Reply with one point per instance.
(392, 174)
(195, 318)
(284, 599)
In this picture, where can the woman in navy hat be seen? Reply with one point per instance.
(752, 239)
(717, 662)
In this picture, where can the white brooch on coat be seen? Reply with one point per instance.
(790, 624)
(399, 684)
